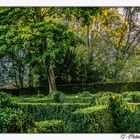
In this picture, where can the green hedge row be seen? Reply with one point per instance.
(14, 121)
(126, 116)
(95, 119)
(48, 111)
(75, 88)
(51, 126)
(132, 96)
(74, 99)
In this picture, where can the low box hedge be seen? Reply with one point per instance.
(103, 98)
(14, 121)
(95, 119)
(51, 126)
(48, 111)
(67, 99)
(134, 96)
(126, 116)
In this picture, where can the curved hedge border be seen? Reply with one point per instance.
(95, 119)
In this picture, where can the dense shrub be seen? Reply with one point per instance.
(103, 98)
(132, 105)
(14, 121)
(95, 119)
(57, 96)
(132, 96)
(40, 96)
(6, 101)
(85, 94)
(126, 116)
(75, 88)
(51, 126)
(48, 111)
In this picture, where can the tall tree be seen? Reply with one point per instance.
(32, 30)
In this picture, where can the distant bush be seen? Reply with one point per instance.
(51, 126)
(40, 96)
(85, 94)
(14, 121)
(57, 96)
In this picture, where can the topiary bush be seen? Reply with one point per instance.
(40, 96)
(85, 94)
(57, 96)
(50, 126)
(95, 119)
(14, 121)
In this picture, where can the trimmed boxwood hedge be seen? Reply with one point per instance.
(95, 119)
(73, 99)
(103, 98)
(48, 111)
(132, 96)
(14, 121)
(75, 88)
(51, 126)
(126, 116)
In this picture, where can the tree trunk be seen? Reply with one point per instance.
(88, 37)
(51, 78)
(30, 82)
(21, 72)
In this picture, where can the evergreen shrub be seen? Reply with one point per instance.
(126, 117)
(51, 126)
(95, 119)
(14, 121)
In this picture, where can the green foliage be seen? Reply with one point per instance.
(47, 111)
(100, 87)
(133, 96)
(103, 98)
(6, 101)
(77, 99)
(57, 96)
(40, 96)
(85, 94)
(50, 126)
(126, 116)
(31, 100)
(85, 14)
(14, 121)
(95, 119)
